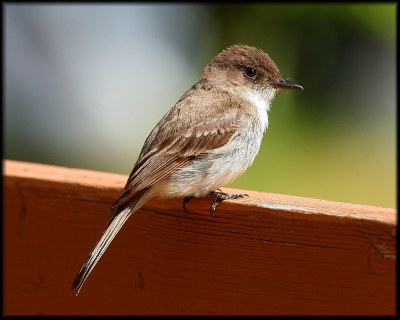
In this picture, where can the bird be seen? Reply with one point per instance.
(205, 141)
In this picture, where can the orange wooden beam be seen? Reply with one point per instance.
(267, 254)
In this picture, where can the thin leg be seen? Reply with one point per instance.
(221, 196)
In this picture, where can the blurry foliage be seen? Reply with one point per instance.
(310, 41)
(336, 139)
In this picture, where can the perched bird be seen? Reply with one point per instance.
(206, 140)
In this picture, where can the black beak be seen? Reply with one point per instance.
(286, 84)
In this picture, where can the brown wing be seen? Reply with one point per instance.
(172, 146)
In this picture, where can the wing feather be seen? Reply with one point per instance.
(185, 132)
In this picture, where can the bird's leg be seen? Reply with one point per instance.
(186, 201)
(221, 196)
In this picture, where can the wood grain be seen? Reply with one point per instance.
(267, 254)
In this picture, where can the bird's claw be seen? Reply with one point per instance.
(186, 201)
(221, 196)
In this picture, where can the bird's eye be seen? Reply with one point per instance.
(250, 72)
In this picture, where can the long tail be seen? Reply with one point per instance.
(116, 223)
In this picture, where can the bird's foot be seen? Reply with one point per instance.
(186, 201)
(221, 196)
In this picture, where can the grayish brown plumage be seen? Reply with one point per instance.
(206, 140)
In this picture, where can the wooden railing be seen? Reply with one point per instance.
(267, 254)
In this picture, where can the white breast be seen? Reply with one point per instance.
(262, 102)
(217, 168)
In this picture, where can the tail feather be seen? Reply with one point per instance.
(115, 224)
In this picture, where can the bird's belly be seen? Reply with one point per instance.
(210, 171)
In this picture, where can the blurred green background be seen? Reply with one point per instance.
(85, 84)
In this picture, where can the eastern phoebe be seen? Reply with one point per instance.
(206, 140)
